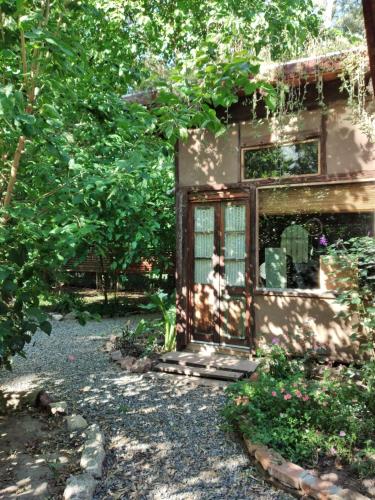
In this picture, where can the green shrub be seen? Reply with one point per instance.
(165, 304)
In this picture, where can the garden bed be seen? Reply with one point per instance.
(322, 419)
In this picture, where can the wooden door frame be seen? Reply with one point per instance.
(248, 197)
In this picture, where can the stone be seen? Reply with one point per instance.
(108, 346)
(70, 315)
(116, 355)
(141, 365)
(43, 400)
(92, 458)
(80, 487)
(113, 339)
(267, 457)
(57, 317)
(59, 408)
(252, 448)
(93, 433)
(346, 494)
(127, 362)
(317, 487)
(76, 423)
(287, 473)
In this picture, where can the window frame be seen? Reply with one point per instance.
(289, 292)
(313, 138)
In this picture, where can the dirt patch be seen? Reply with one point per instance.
(36, 455)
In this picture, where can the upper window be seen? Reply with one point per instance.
(301, 158)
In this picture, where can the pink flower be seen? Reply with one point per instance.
(275, 341)
(342, 434)
(274, 394)
(294, 385)
(305, 397)
(299, 394)
(288, 396)
(333, 451)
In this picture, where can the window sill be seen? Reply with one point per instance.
(320, 294)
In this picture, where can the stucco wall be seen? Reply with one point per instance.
(292, 319)
(348, 149)
(206, 160)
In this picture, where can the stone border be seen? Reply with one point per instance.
(82, 486)
(294, 478)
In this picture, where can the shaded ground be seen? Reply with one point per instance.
(164, 438)
(36, 456)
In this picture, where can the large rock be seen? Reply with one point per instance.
(93, 452)
(116, 355)
(141, 365)
(70, 315)
(127, 362)
(80, 487)
(57, 316)
(76, 423)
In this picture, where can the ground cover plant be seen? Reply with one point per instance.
(308, 419)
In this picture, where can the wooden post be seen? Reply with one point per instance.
(369, 18)
(181, 269)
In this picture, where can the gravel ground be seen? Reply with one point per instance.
(164, 439)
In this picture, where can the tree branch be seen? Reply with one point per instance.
(13, 173)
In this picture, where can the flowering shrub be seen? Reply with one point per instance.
(304, 419)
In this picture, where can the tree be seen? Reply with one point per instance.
(82, 168)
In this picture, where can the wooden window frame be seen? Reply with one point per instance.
(302, 140)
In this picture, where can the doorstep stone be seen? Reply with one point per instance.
(287, 473)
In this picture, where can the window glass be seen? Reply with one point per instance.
(297, 224)
(281, 161)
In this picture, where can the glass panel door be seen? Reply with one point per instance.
(233, 328)
(219, 277)
(205, 281)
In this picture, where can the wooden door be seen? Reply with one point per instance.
(220, 281)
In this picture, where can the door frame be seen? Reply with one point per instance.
(248, 198)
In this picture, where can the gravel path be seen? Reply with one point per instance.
(163, 434)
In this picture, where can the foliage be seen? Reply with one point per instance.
(138, 341)
(80, 167)
(165, 304)
(307, 419)
(356, 280)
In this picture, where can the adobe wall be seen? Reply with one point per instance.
(291, 319)
(206, 160)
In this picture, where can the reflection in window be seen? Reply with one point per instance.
(293, 236)
(280, 161)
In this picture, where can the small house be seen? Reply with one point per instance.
(256, 209)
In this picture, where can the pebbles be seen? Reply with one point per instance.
(163, 434)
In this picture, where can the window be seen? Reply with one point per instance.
(296, 224)
(285, 160)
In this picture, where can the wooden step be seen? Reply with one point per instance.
(192, 371)
(214, 361)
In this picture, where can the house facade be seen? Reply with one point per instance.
(256, 209)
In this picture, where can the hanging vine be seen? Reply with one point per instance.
(357, 85)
